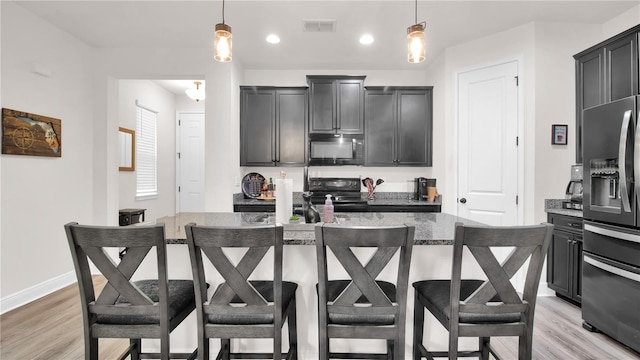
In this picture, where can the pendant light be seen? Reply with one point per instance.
(415, 40)
(222, 43)
(196, 94)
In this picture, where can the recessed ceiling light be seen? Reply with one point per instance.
(366, 39)
(273, 39)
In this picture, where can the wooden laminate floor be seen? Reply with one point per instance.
(51, 328)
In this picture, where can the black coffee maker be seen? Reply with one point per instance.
(574, 189)
(421, 188)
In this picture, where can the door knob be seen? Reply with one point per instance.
(463, 201)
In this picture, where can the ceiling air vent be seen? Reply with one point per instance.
(319, 25)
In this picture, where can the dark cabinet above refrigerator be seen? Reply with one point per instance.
(606, 72)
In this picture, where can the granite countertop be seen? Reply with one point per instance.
(380, 199)
(431, 228)
(554, 206)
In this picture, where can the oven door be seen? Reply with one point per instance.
(611, 298)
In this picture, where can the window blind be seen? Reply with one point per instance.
(146, 153)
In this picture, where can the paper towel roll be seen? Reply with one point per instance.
(284, 200)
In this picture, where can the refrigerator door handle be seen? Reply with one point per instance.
(612, 233)
(622, 161)
(636, 159)
(612, 269)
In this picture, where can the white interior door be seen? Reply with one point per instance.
(190, 162)
(487, 144)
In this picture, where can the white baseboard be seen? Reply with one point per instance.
(543, 290)
(35, 292)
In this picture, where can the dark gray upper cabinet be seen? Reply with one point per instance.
(605, 72)
(336, 104)
(291, 116)
(399, 126)
(621, 75)
(273, 126)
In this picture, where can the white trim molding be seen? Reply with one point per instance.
(35, 292)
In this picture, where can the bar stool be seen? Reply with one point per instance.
(149, 308)
(239, 307)
(485, 308)
(362, 307)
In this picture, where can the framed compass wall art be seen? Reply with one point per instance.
(30, 134)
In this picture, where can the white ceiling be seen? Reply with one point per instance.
(190, 24)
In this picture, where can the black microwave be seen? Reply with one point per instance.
(329, 149)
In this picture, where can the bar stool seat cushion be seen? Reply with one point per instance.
(265, 288)
(336, 287)
(181, 298)
(436, 294)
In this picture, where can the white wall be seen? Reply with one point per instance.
(620, 23)
(555, 46)
(186, 104)
(41, 194)
(151, 96)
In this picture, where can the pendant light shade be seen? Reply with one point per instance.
(222, 42)
(415, 43)
(415, 40)
(196, 94)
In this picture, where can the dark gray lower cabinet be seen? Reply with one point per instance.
(273, 126)
(399, 126)
(564, 259)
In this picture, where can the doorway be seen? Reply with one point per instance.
(488, 120)
(190, 162)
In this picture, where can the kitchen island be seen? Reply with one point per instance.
(431, 228)
(431, 259)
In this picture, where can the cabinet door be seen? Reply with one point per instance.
(380, 135)
(621, 68)
(559, 263)
(257, 127)
(589, 90)
(322, 105)
(414, 127)
(291, 113)
(350, 106)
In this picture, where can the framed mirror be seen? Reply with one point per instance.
(127, 141)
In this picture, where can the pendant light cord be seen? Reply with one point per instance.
(416, 12)
(223, 11)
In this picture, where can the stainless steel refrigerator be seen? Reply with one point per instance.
(611, 200)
